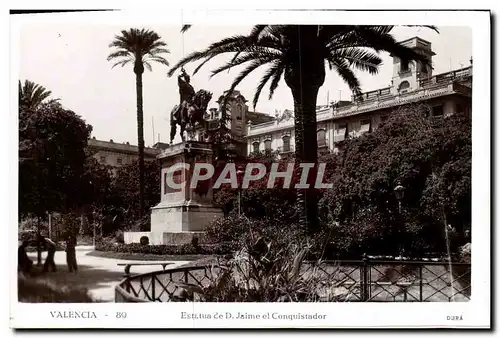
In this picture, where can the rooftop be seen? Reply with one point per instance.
(124, 147)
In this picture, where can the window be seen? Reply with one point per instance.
(255, 146)
(403, 86)
(405, 66)
(267, 144)
(422, 67)
(119, 161)
(459, 108)
(366, 125)
(437, 110)
(239, 112)
(286, 143)
(340, 132)
(321, 138)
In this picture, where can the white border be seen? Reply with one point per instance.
(475, 313)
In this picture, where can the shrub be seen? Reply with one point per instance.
(183, 249)
(119, 238)
(264, 272)
(239, 228)
(144, 240)
(227, 229)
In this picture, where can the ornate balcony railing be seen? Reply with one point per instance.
(364, 280)
(286, 150)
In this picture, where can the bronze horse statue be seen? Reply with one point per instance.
(190, 115)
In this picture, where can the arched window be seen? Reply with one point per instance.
(403, 86)
(239, 112)
(286, 143)
(255, 146)
(267, 144)
(321, 138)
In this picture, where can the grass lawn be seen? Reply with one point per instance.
(44, 288)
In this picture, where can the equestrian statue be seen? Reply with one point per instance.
(191, 109)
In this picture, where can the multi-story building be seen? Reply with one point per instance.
(412, 82)
(239, 116)
(118, 154)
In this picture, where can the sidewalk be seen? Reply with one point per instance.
(99, 275)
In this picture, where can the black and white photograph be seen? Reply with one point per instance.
(297, 165)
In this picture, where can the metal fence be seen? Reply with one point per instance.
(348, 280)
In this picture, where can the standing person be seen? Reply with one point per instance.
(24, 263)
(71, 253)
(51, 251)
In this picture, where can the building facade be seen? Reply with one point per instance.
(412, 82)
(118, 154)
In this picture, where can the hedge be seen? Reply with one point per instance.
(182, 249)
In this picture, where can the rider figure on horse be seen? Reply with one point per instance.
(191, 108)
(186, 92)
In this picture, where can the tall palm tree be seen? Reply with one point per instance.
(139, 47)
(300, 53)
(31, 95)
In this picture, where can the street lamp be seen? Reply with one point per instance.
(239, 172)
(399, 191)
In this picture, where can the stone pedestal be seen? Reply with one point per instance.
(183, 213)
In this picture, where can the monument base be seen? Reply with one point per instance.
(182, 217)
(185, 237)
(183, 213)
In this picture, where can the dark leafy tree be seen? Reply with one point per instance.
(430, 157)
(125, 203)
(139, 47)
(52, 142)
(300, 53)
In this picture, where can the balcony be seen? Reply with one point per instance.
(286, 150)
(446, 77)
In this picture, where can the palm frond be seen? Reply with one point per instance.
(244, 73)
(142, 44)
(232, 44)
(265, 78)
(386, 42)
(185, 28)
(32, 94)
(158, 50)
(120, 53)
(263, 56)
(160, 59)
(202, 64)
(359, 58)
(342, 68)
(121, 63)
(276, 79)
(256, 32)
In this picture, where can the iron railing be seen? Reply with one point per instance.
(365, 280)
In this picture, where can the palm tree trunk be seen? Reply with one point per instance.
(306, 147)
(140, 141)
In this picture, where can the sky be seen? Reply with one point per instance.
(70, 60)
